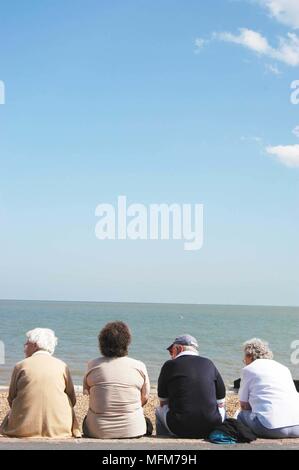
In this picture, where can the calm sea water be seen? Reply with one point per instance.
(220, 331)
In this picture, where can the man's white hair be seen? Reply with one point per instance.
(44, 338)
(257, 349)
(188, 348)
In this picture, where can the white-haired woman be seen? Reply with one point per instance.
(41, 393)
(268, 397)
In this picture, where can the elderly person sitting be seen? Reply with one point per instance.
(41, 393)
(268, 397)
(191, 392)
(118, 387)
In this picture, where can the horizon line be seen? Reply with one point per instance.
(149, 303)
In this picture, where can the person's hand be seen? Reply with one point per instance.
(245, 406)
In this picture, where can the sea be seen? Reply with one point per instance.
(219, 329)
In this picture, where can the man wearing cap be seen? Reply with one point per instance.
(190, 390)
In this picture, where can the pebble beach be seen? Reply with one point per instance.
(149, 410)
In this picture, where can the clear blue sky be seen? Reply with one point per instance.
(105, 98)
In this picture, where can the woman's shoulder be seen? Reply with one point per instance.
(95, 362)
(124, 360)
(135, 362)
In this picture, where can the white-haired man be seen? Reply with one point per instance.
(41, 393)
(191, 392)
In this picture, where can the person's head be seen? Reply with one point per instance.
(256, 348)
(114, 339)
(40, 339)
(183, 343)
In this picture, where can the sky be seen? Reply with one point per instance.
(163, 102)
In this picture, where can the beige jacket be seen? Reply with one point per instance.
(41, 397)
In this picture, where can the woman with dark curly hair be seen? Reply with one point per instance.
(118, 388)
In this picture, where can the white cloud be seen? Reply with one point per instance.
(272, 69)
(286, 52)
(252, 139)
(248, 38)
(284, 11)
(296, 131)
(200, 43)
(287, 154)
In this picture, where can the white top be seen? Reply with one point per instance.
(268, 387)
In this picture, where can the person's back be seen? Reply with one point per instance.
(41, 394)
(272, 393)
(118, 388)
(192, 386)
(269, 401)
(115, 386)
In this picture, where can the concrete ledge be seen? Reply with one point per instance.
(144, 443)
